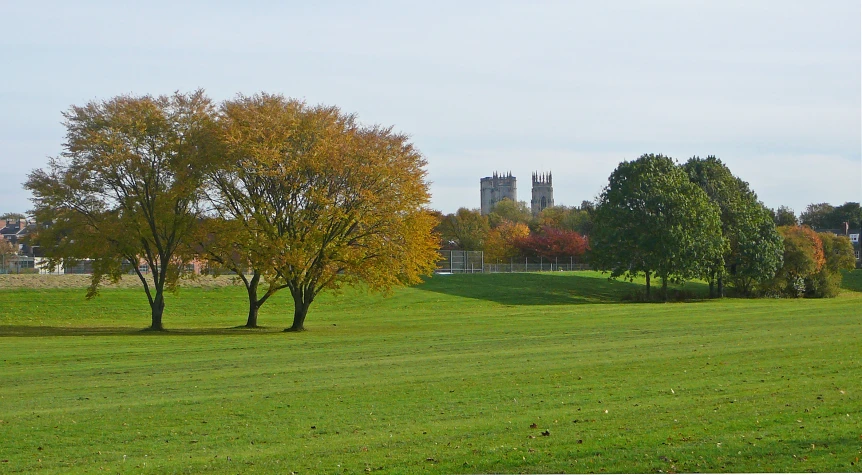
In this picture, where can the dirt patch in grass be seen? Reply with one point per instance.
(81, 281)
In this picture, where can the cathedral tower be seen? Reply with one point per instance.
(496, 187)
(543, 192)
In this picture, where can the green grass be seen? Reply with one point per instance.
(460, 375)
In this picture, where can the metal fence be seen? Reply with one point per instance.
(473, 262)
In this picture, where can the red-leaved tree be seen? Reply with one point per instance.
(551, 243)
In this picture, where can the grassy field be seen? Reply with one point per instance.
(463, 374)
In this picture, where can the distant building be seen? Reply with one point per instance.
(543, 192)
(495, 188)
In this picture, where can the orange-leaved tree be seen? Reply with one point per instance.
(322, 200)
(803, 258)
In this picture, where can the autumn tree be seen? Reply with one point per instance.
(838, 256)
(226, 244)
(753, 247)
(467, 229)
(553, 243)
(325, 201)
(652, 220)
(125, 190)
(502, 243)
(7, 252)
(803, 258)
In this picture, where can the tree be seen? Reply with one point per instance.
(838, 255)
(570, 219)
(125, 190)
(502, 241)
(818, 216)
(12, 216)
(552, 243)
(7, 251)
(753, 247)
(803, 258)
(227, 244)
(466, 229)
(850, 213)
(327, 202)
(652, 220)
(784, 216)
(508, 210)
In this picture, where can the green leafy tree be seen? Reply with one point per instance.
(652, 220)
(467, 229)
(508, 210)
(784, 216)
(125, 190)
(826, 216)
(753, 248)
(850, 213)
(818, 216)
(569, 219)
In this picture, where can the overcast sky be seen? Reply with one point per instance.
(573, 87)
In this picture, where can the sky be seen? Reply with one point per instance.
(771, 87)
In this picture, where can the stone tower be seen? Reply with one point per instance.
(543, 192)
(496, 187)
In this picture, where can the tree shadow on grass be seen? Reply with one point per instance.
(549, 288)
(533, 289)
(37, 331)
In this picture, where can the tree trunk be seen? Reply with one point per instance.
(720, 287)
(664, 287)
(251, 322)
(253, 305)
(301, 302)
(711, 288)
(647, 285)
(158, 308)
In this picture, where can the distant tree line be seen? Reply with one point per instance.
(674, 222)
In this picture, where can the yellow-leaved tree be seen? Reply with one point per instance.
(125, 191)
(319, 201)
(502, 241)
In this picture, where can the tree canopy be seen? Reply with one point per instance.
(753, 248)
(297, 197)
(784, 216)
(652, 220)
(508, 210)
(825, 216)
(465, 229)
(326, 201)
(125, 190)
(803, 258)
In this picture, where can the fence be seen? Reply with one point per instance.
(16, 264)
(472, 262)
